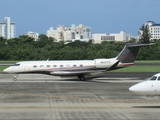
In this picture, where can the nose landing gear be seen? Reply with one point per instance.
(15, 77)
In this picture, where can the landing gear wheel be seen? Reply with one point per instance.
(15, 77)
(81, 77)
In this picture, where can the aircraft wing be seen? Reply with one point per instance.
(113, 67)
(70, 73)
(83, 72)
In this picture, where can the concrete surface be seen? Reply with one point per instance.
(42, 97)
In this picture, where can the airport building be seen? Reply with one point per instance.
(154, 29)
(72, 33)
(122, 36)
(33, 35)
(7, 28)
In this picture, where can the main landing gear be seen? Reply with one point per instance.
(81, 77)
(15, 77)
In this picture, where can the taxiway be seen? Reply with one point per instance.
(42, 97)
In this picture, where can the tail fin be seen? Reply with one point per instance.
(129, 52)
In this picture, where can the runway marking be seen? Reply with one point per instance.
(119, 81)
(78, 107)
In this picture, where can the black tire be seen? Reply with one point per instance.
(15, 79)
(81, 77)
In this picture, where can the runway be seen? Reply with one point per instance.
(42, 97)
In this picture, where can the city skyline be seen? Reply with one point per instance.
(105, 16)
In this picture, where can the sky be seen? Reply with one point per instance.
(103, 16)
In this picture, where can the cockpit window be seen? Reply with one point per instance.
(158, 78)
(16, 65)
(153, 78)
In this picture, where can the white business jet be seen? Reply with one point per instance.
(151, 87)
(78, 68)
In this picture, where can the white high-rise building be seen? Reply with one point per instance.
(7, 28)
(33, 35)
(72, 33)
(154, 29)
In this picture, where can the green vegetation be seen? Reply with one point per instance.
(146, 61)
(144, 34)
(8, 62)
(25, 48)
(139, 69)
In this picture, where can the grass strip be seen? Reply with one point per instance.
(139, 69)
(2, 68)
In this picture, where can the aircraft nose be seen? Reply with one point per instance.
(134, 88)
(7, 70)
(139, 88)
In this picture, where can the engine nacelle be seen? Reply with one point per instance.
(104, 63)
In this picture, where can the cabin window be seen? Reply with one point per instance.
(74, 65)
(48, 65)
(153, 78)
(54, 65)
(158, 78)
(41, 66)
(34, 66)
(61, 65)
(81, 65)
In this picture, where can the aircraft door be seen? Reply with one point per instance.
(152, 84)
(27, 68)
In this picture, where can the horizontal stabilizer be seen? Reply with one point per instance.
(138, 45)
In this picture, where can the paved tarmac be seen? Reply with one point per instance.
(42, 97)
